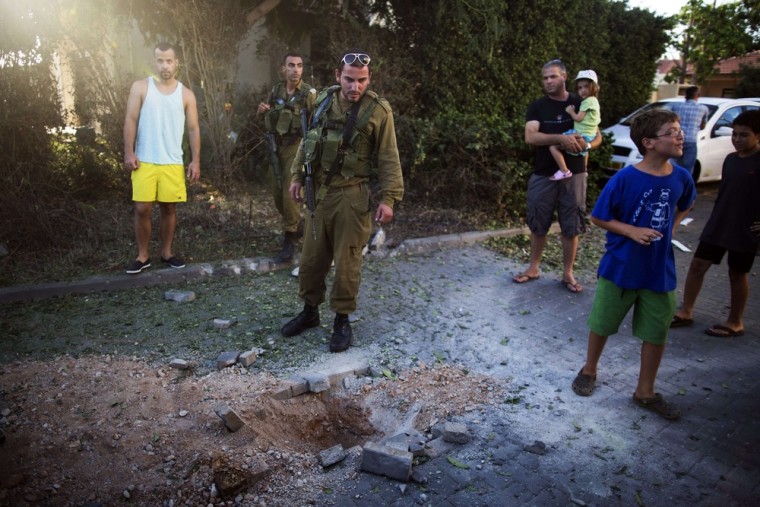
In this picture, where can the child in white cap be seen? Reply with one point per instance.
(586, 120)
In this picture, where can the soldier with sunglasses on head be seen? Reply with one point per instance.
(350, 138)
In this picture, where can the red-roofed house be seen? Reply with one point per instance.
(720, 84)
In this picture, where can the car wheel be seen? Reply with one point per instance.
(697, 172)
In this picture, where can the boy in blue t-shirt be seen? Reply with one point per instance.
(640, 207)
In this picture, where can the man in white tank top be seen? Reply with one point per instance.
(158, 110)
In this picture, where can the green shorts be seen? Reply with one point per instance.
(159, 182)
(652, 311)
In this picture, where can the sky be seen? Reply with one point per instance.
(665, 7)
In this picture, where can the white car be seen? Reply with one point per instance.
(713, 142)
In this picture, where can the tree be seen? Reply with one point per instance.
(749, 82)
(711, 33)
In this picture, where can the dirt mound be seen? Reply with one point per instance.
(103, 430)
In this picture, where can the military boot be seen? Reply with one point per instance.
(342, 334)
(308, 318)
(288, 248)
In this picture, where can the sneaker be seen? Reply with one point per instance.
(136, 266)
(559, 175)
(173, 262)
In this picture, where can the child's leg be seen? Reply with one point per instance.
(559, 157)
(694, 278)
(651, 357)
(739, 293)
(594, 351)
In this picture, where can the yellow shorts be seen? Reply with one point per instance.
(159, 182)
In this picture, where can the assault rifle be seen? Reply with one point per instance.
(274, 160)
(309, 191)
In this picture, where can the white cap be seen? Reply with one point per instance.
(587, 74)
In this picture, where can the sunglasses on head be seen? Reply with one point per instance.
(352, 58)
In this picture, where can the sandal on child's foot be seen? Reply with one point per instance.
(583, 385)
(559, 175)
(659, 406)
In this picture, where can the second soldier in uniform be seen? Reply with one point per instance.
(282, 121)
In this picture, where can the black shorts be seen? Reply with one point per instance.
(738, 261)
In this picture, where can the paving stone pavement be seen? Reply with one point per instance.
(601, 450)
(460, 304)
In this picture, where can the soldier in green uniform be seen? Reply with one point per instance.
(282, 120)
(351, 137)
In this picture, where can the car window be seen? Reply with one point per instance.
(663, 105)
(728, 117)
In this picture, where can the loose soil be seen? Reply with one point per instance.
(104, 430)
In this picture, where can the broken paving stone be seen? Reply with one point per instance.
(226, 359)
(404, 441)
(222, 324)
(418, 476)
(455, 433)
(318, 382)
(179, 296)
(331, 456)
(383, 460)
(537, 447)
(179, 364)
(247, 358)
(231, 419)
(230, 479)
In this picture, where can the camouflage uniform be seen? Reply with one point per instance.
(343, 217)
(284, 119)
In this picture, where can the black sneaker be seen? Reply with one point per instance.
(174, 262)
(136, 266)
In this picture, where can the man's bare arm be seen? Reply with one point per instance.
(193, 134)
(134, 103)
(569, 143)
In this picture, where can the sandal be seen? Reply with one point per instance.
(584, 385)
(680, 322)
(659, 406)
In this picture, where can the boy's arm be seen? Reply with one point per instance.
(641, 235)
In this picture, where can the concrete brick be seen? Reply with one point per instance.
(405, 441)
(226, 359)
(179, 364)
(383, 460)
(231, 419)
(318, 382)
(222, 324)
(290, 388)
(338, 373)
(455, 433)
(331, 456)
(179, 296)
(300, 385)
(247, 358)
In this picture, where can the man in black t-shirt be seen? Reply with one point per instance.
(546, 121)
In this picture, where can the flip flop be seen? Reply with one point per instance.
(680, 322)
(722, 331)
(523, 278)
(659, 406)
(575, 288)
